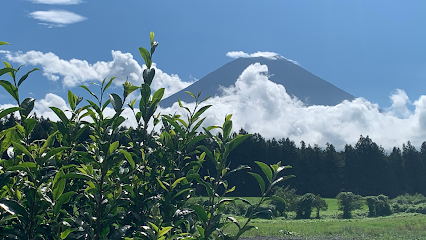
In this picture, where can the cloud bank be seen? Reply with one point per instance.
(269, 55)
(57, 18)
(261, 106)
(76, 72)
(57, 2)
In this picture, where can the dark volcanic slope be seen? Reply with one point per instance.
(307, 87)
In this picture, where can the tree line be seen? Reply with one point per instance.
(365, 168)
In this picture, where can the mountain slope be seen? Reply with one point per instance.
(298, 82)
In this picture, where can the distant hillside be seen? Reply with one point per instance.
(298, 82)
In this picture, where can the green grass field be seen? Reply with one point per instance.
(397, 226)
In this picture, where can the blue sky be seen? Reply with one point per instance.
(367, 48)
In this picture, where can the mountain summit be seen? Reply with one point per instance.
(297, 81)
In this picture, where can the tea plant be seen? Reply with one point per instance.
(118, 183)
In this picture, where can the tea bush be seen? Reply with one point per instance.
(118, 183)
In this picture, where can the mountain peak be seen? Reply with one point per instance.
(297, 81)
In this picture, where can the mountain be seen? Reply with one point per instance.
(297, 81)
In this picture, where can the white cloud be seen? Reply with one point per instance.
(261, 106)
(75, 72)
(58, 2)
(57, 18)
(269, 55)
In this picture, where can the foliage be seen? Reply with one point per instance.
(378, 206)
(306, 203)
(320, 205)
(90, 178)
(290, 197)
(348, 202)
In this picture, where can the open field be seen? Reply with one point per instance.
(331, 226)
(397, 226)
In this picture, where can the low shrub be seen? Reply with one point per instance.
(289, 195)
(348, 202)
(378, 206)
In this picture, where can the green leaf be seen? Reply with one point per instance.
(6, 70)
(174, 124)
(177, 182)
(201, 111)
(22, 148)
(10, 89)
(201, 213)
(61, 115)
(49, 141)
(236, 141)
(5, 144)
(201, 231)
(190, 93)
(232, 219)
(207, 151)
(128, 156)
(116, 102)
(227, 127)
(54, 152)
(266, 170)
(72, 100)
(30, 123)
(108, 84)
(239, 168)
(9, 111)
(94, 95)
(77, 175)
(95, 106)
(113, 147)
(26, 76)
(28, 106)
(148, 75)
(5, 176)
(181, 192)
(22, 166)
(196, 140)
(59, 185)
(106, 104)
(151, 38)
(281, 179)
(64, 198)
(164, 230)
(162, 184)
(259, 180)
(158, 95)
(132, 89)
(65, 233)
(146, 56)
(14, 208)
(4, 43)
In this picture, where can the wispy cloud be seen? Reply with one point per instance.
(57, 18)
(75, 72)
(270, 55)
(57, 2)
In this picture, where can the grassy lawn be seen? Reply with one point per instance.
(331, 226)
(397, 226)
